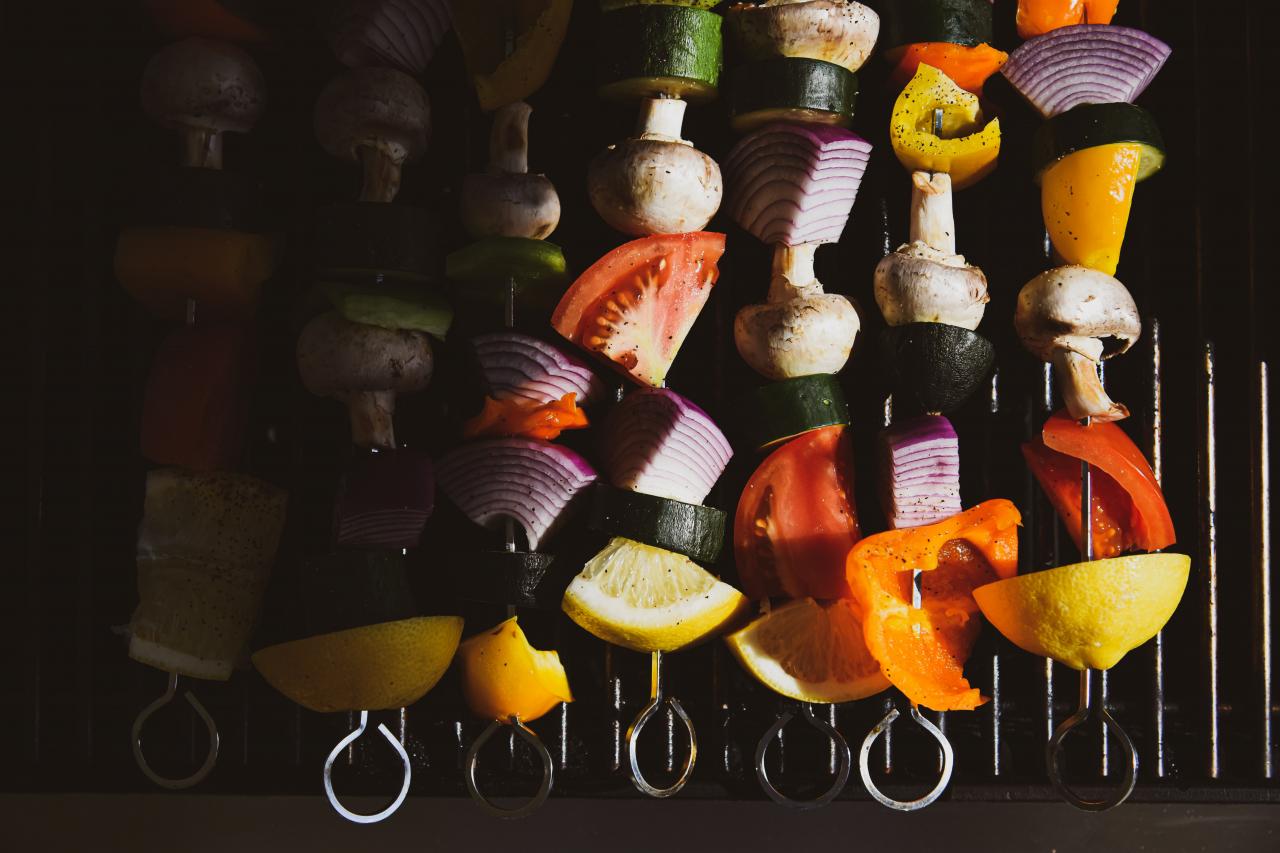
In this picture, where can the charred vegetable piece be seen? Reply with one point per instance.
(792, 407)
(507, 201)
(635, 305)
(367, 241)
(488, 269)
(1037, 17)
(653, 51)
(1086, 64)
(796, 519)
(384, 500)
(503, 577)
(391, 305)
(964, 22)
(523, 368)
(923, 650)
(791, 90)
(516, 417)
(509, 45)
(966, 150)
(205, 549)
(839, 31)
(691, 529)
(919, 471)
(364, 367)
(1074, 317)
(655, 182)
(933, 367)
(1091, 125)
(968, 67)
(401, 34)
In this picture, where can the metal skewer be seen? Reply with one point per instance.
(210, 758)
(351, 738)
(657, 698)
(843, 758)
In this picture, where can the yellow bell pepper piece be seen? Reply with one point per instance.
(510, 45)
(1085, 198)
(966, 150)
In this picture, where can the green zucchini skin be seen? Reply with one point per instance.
(963, 22)
(934, 366)
(652, 50)
(189, 197)
(364, 239)
(783, 410)
(1091, 125)
(502, 577)
(391, 305)
(791, 88)
(693, 530)
(486, 269)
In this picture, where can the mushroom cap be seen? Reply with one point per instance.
(1078, 309)
(337, 357)
(199, 82)
(509, 205)
(918, 284)
(801, 336)
(378, 107)
(651, 186)
(838, 31)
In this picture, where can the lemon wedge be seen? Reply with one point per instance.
(503, 676)
(810, 651)
(1088, 615)
(370, 668)
(649, 599)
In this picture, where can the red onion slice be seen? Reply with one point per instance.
(1085, 64)
(385, 500)
(919, 471)
(536, 484)
(793, 183)
(520, 366)
(402, 34)
(659, 443)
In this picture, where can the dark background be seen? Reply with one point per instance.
(76, 149)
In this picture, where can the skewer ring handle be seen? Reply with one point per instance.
(843, 768)
(210, 759)
(338, 807)
(633, 738)
(944, 745)
(1053, 756)
(473, 759)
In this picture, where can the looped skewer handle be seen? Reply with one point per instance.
(343, 744)
(944, 745)
(209, 760)
(656, 700)
(842, 751)
(1053, 751)
(548, 770)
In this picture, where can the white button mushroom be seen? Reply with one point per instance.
(657, 183)
(365, 367)
(507, 201)
(378, 117)
(203, 88)
(925, 281)
(800, 330)
(838, 31)
(1073, 317)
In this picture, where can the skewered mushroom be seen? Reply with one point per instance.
(203, 88)
(506, 201)
(925, 281)
(1074, 317)
(656, 183)
(365, 367)
(378, 117)
(838, 31)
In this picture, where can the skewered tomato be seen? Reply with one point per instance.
(796, 520)
(635, 305)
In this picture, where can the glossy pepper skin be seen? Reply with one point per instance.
(969, 67)
(967, 149)
(518, 417)
(1037, 17)
(1085, 199)
(965, 551)
(504, 72)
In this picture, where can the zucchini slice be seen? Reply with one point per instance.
(791, 89)
(934, 367)
(783, 410)
(904, 22)
(487, 268)
(391, 305)
(1090, 125)
(653, 51)
(199, 198)
(502, 577)
(690, 529)
(364, 239)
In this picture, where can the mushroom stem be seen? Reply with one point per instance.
(202, 148)
(509, 139)
(1082, 389)
(661, 119)
(932, 220)
(371, 418)
(792, 274)
(382, 163)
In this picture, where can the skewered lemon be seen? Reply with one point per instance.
(504, 677)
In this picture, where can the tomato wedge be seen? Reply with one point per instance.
(969, 67)
(1129, 509)
(1037, 17)
(181, 18)
(923, 650)
(796, 520)
(519, 417)
(635, 306)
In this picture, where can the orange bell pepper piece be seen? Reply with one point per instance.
(515, 417)
(181, 18)
(1037, 17)
(922, 650)
(969, 67)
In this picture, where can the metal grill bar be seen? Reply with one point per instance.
(1209, 527)
(1157, 467)
(1262, 501)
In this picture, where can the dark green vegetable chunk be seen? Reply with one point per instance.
(502, 577)
(1091, 125)
(791, 89)
(488, 268)
(690, 529)
(654, 50)
(933, 366)
(903, 22)
(780, 411)
(366, 238)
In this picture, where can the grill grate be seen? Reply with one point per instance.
(1198, 701)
